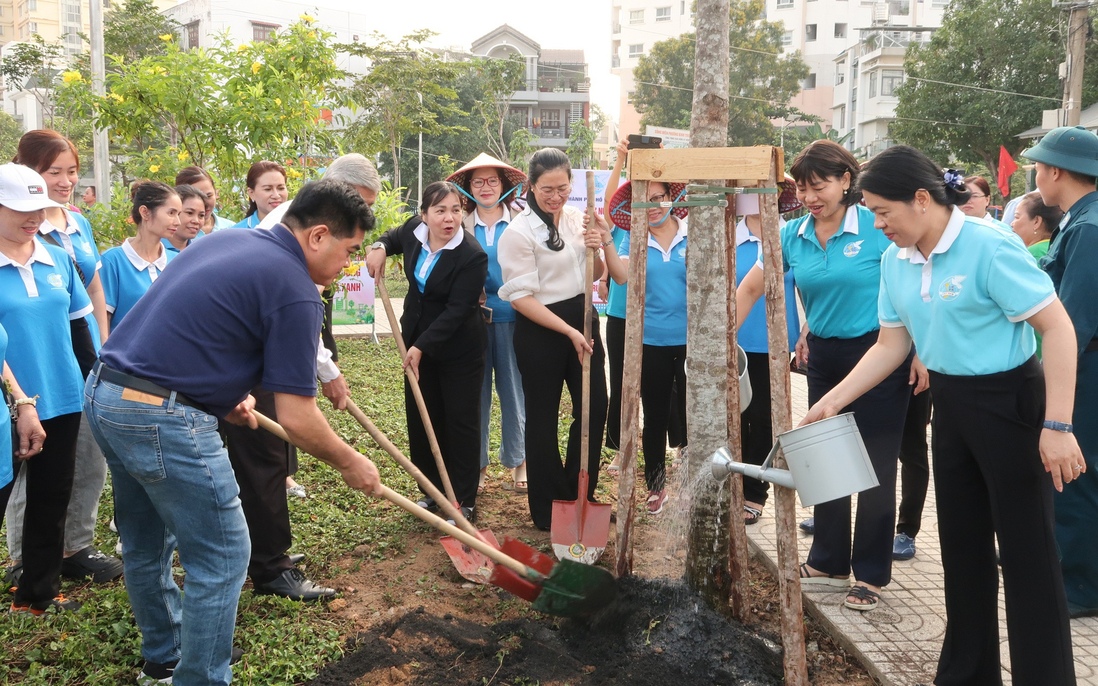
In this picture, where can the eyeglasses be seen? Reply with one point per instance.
(662, 197)
(491, 181)
(975, 196)
(561, 191)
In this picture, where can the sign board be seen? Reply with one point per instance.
(578, 196)
(353, 300)
(672, 138)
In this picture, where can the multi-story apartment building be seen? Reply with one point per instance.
(556, 93)
(635, 26)
(823, 29)
(866, 77)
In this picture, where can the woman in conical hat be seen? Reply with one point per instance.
(490, 189)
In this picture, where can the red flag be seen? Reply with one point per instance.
(1007, 166)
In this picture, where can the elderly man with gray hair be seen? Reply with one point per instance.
(263, 462)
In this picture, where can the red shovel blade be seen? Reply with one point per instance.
(580, 530)
(470, 564)
(513, 583)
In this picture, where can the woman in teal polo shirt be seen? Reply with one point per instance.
(132, 267)
(963, 291)
(835, 255)
(266, 190)
(40, 293)
(664, 353)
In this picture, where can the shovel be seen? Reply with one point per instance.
(565, 588)
(428, 427)
(580, 528)
(469, 563)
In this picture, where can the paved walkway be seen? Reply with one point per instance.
(900, 640)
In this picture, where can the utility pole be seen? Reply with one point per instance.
(99, 136)
(1078, 30)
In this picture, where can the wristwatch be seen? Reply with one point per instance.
(377, 246)
(1051, 425)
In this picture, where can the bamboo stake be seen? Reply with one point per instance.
(792, 617)
(737, 533)
(630, 382)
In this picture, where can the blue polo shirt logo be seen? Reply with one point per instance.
(852, 249)
(55, 280)
(681, 251)
(951, 287)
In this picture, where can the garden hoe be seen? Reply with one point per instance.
(470, 564)
(565, 588)
(580, 528)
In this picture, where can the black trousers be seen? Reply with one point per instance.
(49, 486)
(757, 425)
(615, 355)
(261, 462)
(914, 466)
(451, 391)
(548, 362)
(990, 483)
(880, 417)
(660, 365)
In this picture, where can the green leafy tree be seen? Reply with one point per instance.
(10, 131)
(404, 94)
(1010, 46)
(497, 80)
(222, 108)
(581, 146)
(133, 29)
(798, 138)
(761, 81)
(522, 147)
(34, 67)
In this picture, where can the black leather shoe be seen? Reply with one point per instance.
(296, 558)
(292, 584)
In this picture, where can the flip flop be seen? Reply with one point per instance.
(516, 486)
(754, 514)
(869, 599)
(831, 580)
(481, 485)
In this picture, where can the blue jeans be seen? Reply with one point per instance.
(174, 487)
(512, 405)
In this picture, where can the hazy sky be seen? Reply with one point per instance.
(558, 24)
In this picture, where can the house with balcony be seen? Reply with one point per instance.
(867, 75)
(555, 94)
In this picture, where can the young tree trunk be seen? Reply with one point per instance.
(707, 560)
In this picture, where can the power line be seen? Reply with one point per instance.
(981, 88)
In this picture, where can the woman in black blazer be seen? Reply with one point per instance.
(445, 336)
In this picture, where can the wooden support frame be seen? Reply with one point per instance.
(760, 166)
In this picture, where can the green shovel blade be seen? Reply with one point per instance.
(574, 589)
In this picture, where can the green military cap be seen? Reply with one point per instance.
(1072, 148)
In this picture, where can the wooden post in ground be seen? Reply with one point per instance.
(631, 371)
(785, 505)
(737, 534)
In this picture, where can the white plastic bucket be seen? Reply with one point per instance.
(827, 459)
(745, 381)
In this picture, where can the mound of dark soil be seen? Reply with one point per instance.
(654, 633)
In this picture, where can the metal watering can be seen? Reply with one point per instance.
(827, 461)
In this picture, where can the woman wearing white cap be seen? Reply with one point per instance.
(40, 292)
(490, 188)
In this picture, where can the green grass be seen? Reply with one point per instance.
(284, 642)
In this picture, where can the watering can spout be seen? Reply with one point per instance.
(721, 465)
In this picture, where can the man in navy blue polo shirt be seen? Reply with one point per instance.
(238, 310)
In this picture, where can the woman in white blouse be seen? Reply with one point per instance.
(542, 256)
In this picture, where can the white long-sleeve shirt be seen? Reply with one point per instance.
(531, 268)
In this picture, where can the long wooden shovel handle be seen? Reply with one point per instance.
(382, 440)
(472, 541)
(428, 426)
(588, 282)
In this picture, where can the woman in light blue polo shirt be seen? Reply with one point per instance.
(835, 255)
(40, 293)
(489, 189)
(191, 218)
(963, 290)
(132, 267)
(29, 434)
(266, 190)
(664, 354)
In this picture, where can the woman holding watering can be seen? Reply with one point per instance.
(962, 290)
